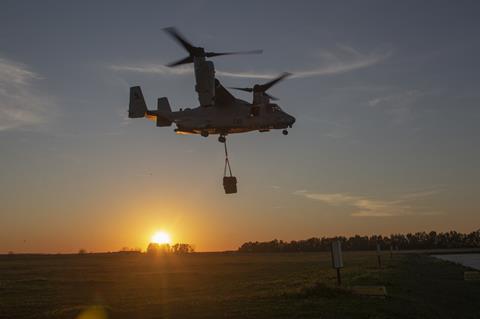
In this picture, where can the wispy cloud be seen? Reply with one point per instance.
(20, 104)
(400, 106)
(154, 69)
(340, 60)
(363, 206)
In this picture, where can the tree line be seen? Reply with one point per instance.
(419, 240)
(179, 248)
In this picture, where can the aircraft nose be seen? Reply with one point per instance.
(292, 120)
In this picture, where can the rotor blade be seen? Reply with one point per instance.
(271, 97)
(266, 86)
(186, 60)
(242, 89)
(212, 54)
(180, 39)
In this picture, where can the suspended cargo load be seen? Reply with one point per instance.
(230, 184)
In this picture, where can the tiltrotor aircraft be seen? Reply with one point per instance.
(219, 111)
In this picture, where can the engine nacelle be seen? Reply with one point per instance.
(205, 82)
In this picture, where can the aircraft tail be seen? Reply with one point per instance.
(137, 107)
(164, 112)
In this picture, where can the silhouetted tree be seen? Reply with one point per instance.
(182, 248)
(157, 249)
(419, 240)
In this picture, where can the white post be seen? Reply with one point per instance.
(337, 260)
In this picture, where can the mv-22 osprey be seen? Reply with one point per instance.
(219, 111)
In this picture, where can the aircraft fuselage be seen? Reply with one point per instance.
(228, 119)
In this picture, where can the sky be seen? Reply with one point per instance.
(386, 95)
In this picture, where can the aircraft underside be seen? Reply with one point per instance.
(221, 131)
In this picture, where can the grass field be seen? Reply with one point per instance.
(230, 285)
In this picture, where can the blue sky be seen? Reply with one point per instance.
(386, 96)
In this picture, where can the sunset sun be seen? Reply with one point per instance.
(161, 238)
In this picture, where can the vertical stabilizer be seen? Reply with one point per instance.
(137, 107)
(163, 112)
